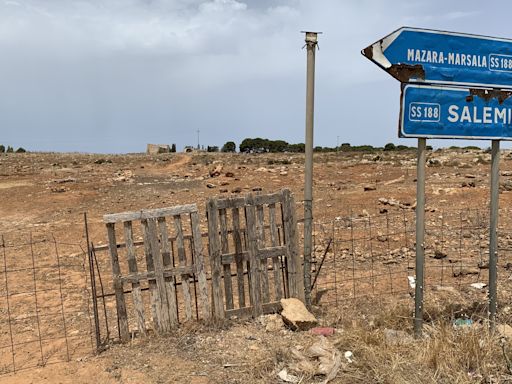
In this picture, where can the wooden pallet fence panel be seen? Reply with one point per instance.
(170, 282)
(228, 289)
(276, 264)
(239, 257)
(215, 258)
(122, 315)
(138, 304)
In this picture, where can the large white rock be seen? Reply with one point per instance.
(296, 315)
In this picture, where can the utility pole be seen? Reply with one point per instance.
(198, 147)
(311, 45)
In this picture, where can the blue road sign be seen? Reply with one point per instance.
(438, 57)
(455, 113)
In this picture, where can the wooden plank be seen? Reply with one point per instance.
(146, 214)
(172, 272)
(232, 202)
(182, 257)
(122, 316)
(263, 254)
(215, 258)
(271, 198)
(98, 248)
(154, 297)
(274, 307)
(228, 289)
(239, 256)
(199, 265)
(169, 281)
(276, 264)
(163, 309)
(260, 226)
(295, 277)
(132, 267)
(252, 242)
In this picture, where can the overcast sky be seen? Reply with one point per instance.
(113, 75)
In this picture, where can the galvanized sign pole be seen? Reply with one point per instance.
(420, 237)
(493, 228)
(311, 44)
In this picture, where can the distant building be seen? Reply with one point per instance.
(155, 149)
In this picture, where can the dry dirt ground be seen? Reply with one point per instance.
(44, 193)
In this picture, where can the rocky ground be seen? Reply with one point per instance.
(47, 193)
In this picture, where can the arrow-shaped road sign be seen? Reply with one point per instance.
(423, 55)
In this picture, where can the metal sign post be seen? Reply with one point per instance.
(420, 237)
(311, 44)
(493, 228)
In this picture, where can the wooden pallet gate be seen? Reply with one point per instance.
(164, 264)
(262, 258)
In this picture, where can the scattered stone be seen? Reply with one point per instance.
(257, 189)
(504, 330)
(469, 176)
(478, 285)
(272, 323)
(296, 315)
(286, 377)
(211, 186)
(237, 190)
(383, 210)
(283, 173)
(224, 183)
(369, 188)
(470, 184)
(223, 190)
(216, 171)
(103, 161)
(465, 272)
(395, 337)
(382, 238)
(66, 180)
(483, 264)
(323, 331)
(439, 255)
(59, 189)
(229, 174)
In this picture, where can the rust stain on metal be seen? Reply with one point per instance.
(368, 52)
(404, 72)
(488, 94)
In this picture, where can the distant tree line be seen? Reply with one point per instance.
(10, 149)
(259, 145)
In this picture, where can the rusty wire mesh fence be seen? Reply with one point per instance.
(368, 255)
(44, 310)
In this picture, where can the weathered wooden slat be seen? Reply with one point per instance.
(274, 307)
(295, 277)
(122, 316)
(132, 267)
(172, 272)
(224, 246)
(170, 287)
(260, 226)
(150, 213)
(263, 254)
(182, 257)
(272, 198)
(239, 256)
(215, 257)
(252, 246)
(274, 238)
(199, 265)
(233, 202)
(154, 297)
(165, 323)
